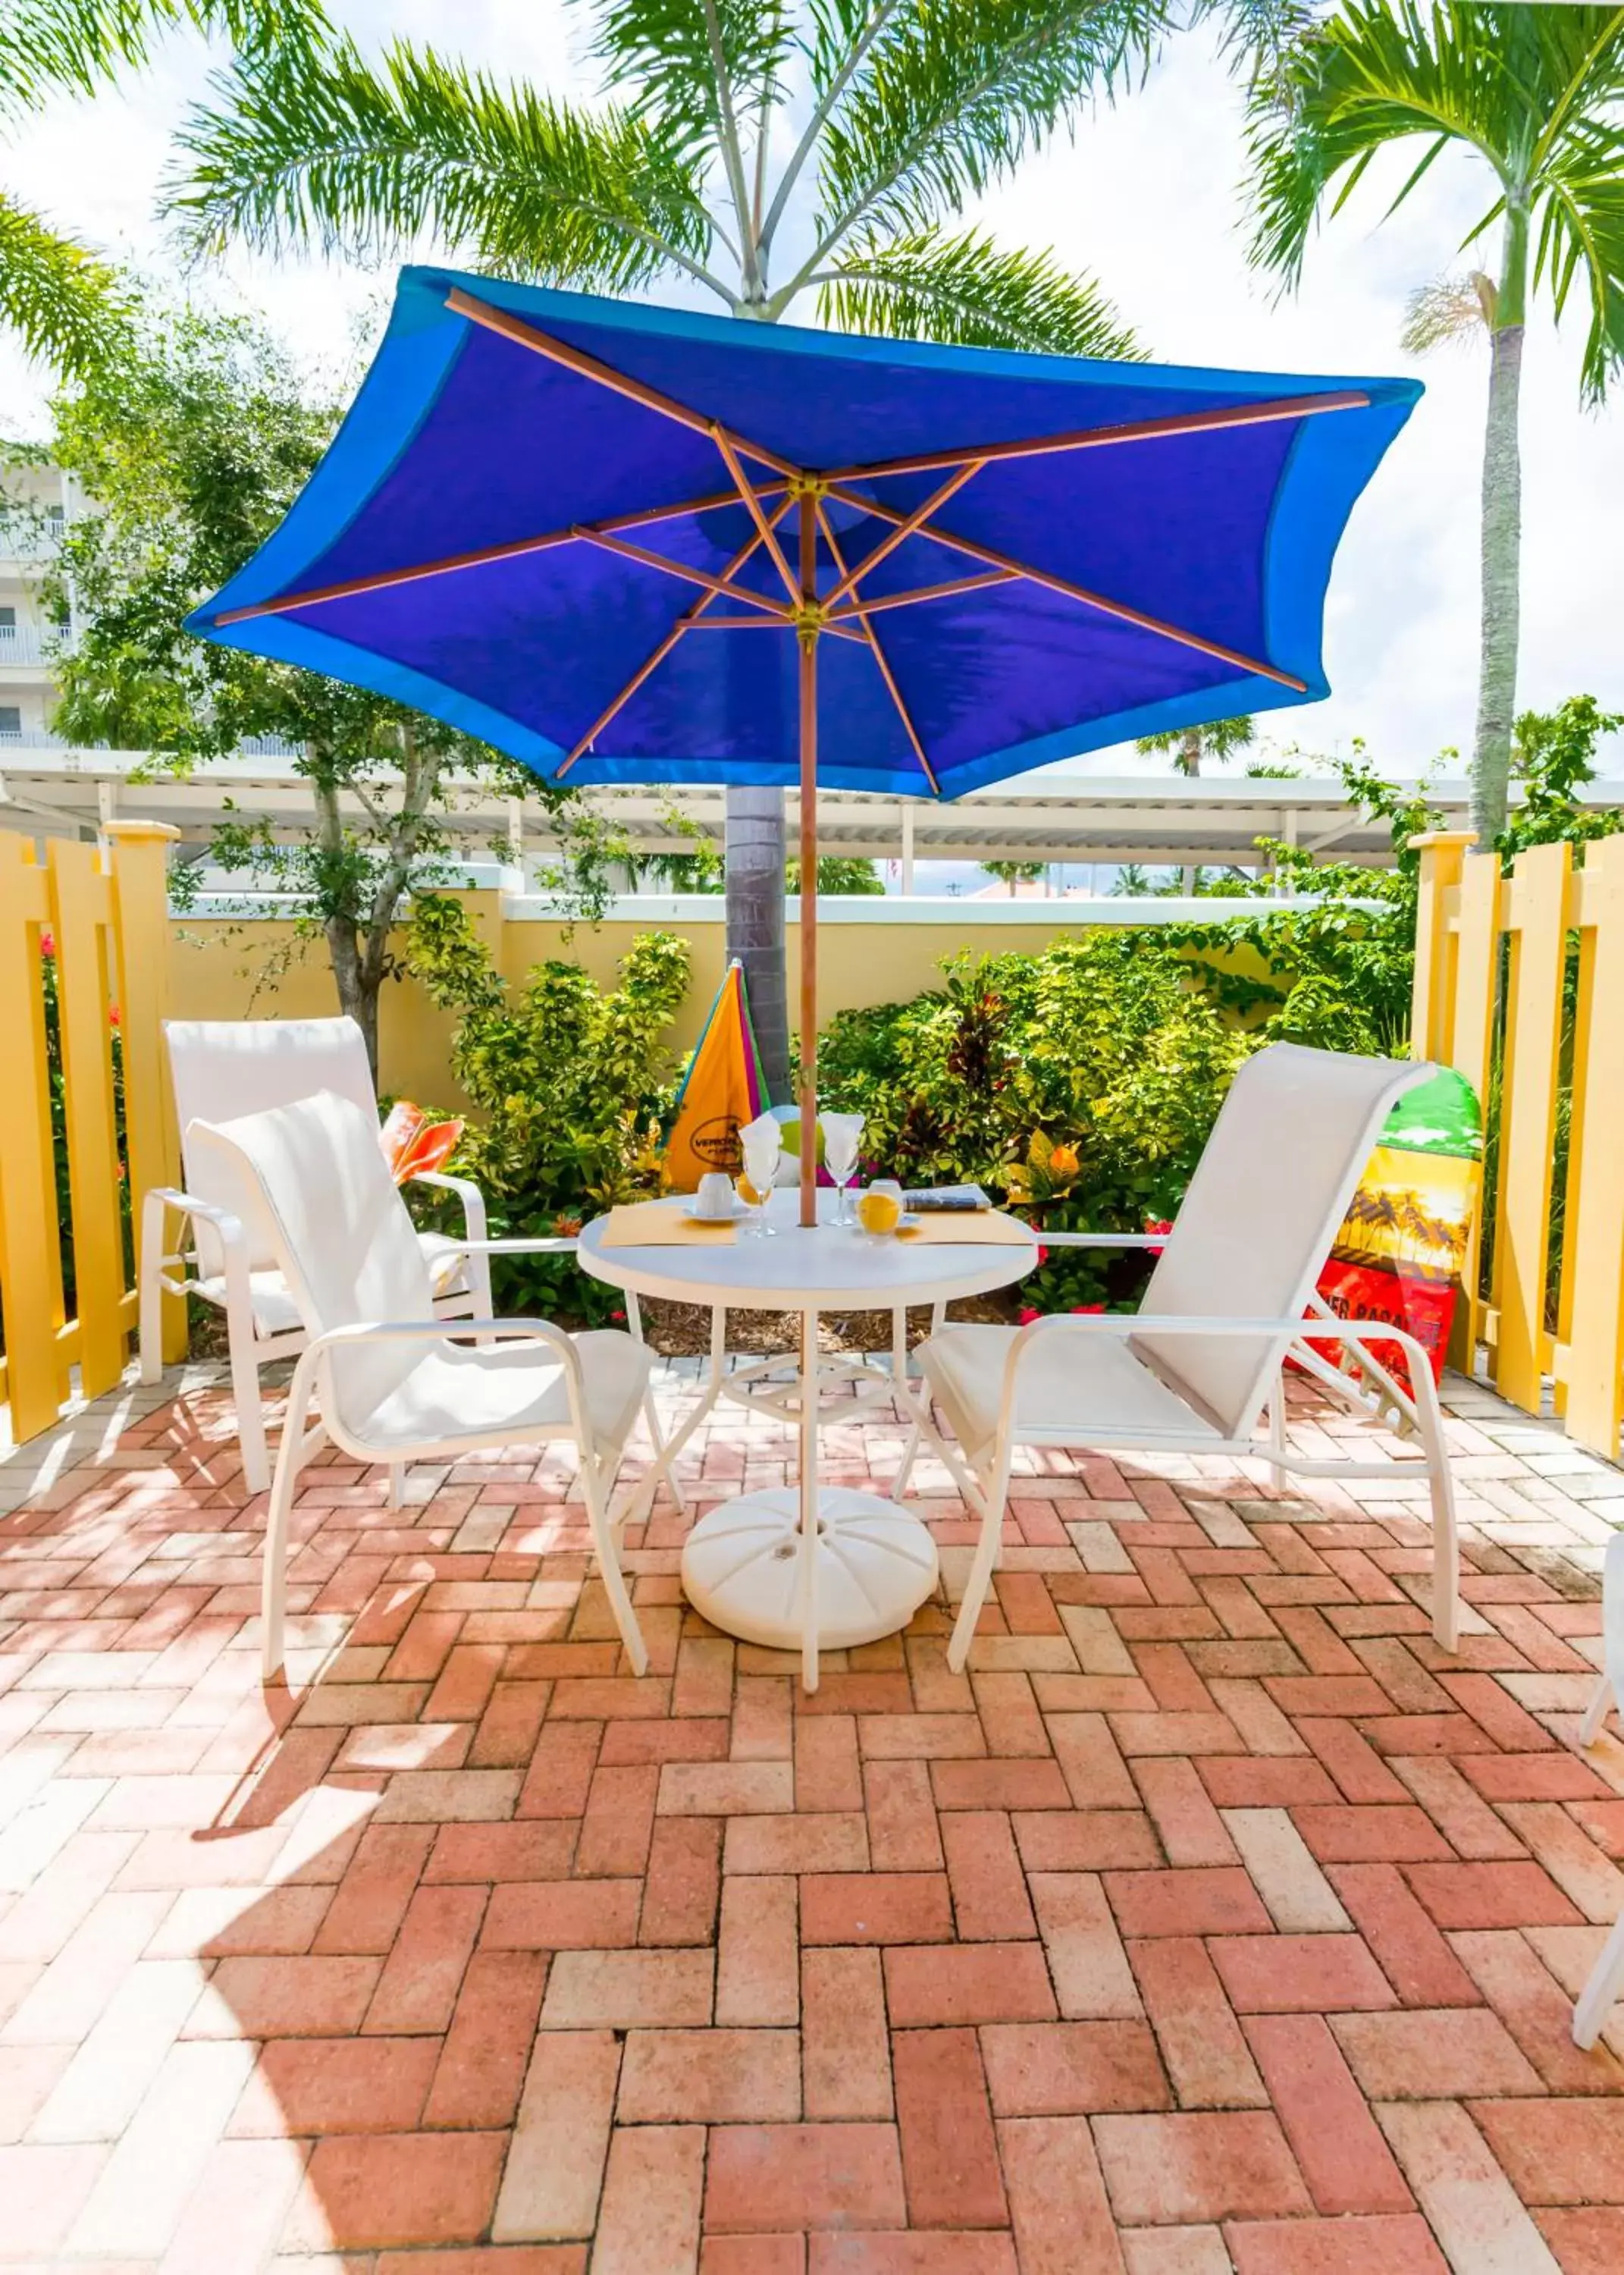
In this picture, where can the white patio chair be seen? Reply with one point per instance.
(1607, 1976)
(391, 1382)
(1192, 1370)
(230, 1067)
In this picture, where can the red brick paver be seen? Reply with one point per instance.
(1215, 1921)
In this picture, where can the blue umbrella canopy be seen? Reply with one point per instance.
(626, 544)
(575, 528)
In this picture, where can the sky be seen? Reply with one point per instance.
(1145, 198)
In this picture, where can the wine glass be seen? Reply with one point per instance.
(761, 1147)
(843, 1142)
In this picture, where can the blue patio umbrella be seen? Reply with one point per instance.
(628, 544)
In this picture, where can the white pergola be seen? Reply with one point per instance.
(1154, 819)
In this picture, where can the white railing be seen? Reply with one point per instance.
(20, 644)
(34, 738)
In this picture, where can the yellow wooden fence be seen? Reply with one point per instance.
(1486, 1008)
(105, 911)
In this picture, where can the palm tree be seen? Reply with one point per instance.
(772, 154)
(1189, 745)
(67, 306)
(1534, 98)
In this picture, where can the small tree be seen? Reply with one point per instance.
(193, 446)
(1016, 872)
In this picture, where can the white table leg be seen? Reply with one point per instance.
(809, 1499)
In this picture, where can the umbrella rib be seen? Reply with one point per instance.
(1118, 609)
(684, 623)
(905, 528)
(608, 544)
(1097, 438)
(893, 690)
(483, 556)
(873, 603)
(619, 383)
(729, 457)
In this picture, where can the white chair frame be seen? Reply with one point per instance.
(312, 1387)
(1606, 1982)
(249, 1350)
(986, 1486)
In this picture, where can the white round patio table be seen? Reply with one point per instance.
(808, 1566)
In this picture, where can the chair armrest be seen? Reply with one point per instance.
(1101, 1239)
(518, 1245)
(439, 1330)
(156, 1198)
(1356, 1332)
(472, 1199)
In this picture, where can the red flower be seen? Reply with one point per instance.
(1088, 1307)
(113, 1019)
(617, 1315)
(47, 941)
(1030, 1313)
(1158, 1224)
(1043, 1254)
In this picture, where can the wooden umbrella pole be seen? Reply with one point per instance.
(808, 860)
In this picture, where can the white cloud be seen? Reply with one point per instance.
(1146, 198)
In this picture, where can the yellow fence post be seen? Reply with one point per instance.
(1538, 911)
(1432, 1016)
(82, 914)
(1470, 1052)
(142, 926)
(1593, 1277)
(30, 1257)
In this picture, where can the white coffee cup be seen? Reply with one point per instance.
(715, 1197)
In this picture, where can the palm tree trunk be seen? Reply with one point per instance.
(755, 886)
(1501, 539)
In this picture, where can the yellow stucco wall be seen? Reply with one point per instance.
(226, 969)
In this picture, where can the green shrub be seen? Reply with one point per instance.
(571, 1086)
(1099, 1043)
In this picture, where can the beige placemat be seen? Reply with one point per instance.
(661, 1224)
(965, 1229)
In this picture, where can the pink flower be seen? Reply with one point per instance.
(47, 941)
(1029, 1314)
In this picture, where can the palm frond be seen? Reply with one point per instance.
(1581, 241)
(671, 57)
(1448, 310)
(969, 292)
(363, 161)
(67, 307)
(952, 96)
(1379, 72)
(79, 45)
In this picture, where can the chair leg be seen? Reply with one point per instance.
(983, 1566)
(1596, 1713)
(247, 1398)
(290, 1458)
(398, 1484)
(910, 1455)
(1445, 1533)
(1596, 2000)
(662, 1465)
(609, 1562)
(152, 1289)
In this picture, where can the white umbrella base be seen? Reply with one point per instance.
(744, 1568)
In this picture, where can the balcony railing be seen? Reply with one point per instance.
(20, 644)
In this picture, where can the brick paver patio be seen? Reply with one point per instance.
(1214, 1921)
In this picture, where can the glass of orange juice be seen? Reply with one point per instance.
(880, 1208)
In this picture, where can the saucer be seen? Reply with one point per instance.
(734, 1215)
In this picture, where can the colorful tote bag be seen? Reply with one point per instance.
(1398, 1254)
